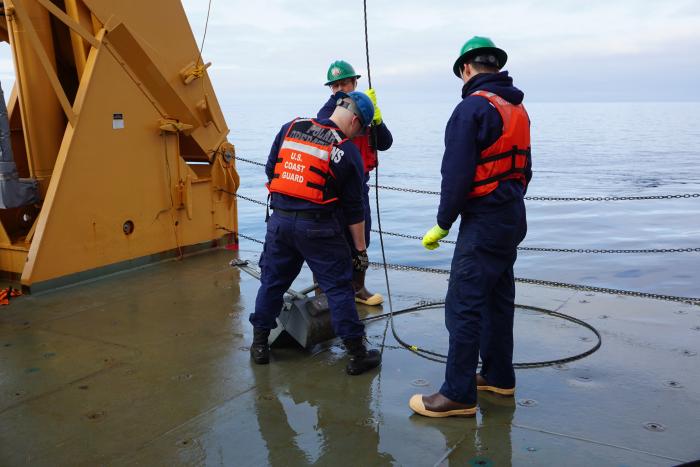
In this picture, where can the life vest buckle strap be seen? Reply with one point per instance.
(315, 186)
(320, 172)
(497, 178)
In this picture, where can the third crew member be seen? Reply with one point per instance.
(342, 79)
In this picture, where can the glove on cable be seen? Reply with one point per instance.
(360, 260)
(432, 236)
(377, 120)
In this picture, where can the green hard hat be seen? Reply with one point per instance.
(340, 69)
(478, 45)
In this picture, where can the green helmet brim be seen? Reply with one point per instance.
(342, 78)
(500, 54)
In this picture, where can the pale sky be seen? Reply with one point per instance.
(561, 50)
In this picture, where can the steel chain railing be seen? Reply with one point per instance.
(585, 288)
(564, 285)
(528, 248)
(555, 198)
(565, 250)
(529, 198)
(404, 267)
(249, 161)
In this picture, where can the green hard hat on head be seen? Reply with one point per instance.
(340, 69)
(480, 46)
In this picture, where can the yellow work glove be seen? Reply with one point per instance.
(432, 236)
(377, 120)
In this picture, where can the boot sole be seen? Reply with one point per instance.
(495, 390)
(416, 404)
(355, 372)
(260, 361)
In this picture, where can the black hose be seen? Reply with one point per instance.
(440, 358)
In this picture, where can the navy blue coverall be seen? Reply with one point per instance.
(384, 142)
(316, 236)
(480, 297)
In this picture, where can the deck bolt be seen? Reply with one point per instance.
(561, 367)
(95, 415)
(689, 353)
(420, 382)
(527, 402)
(531, 449)
(603, 316)
(480, 461)
(654, 426)
(681, 312)
(694, 328)
(673, 384)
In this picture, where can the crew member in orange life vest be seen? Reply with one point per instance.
(342, 79)
(315, 176)
(485, 171)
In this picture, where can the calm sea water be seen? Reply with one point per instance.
(579, 149)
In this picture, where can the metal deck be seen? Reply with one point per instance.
(151, 367)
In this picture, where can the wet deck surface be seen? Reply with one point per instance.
(151, 367)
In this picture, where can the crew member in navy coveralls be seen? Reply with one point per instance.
(485, 171)
(342, 79)
(315, 177)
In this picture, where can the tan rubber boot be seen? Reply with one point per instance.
(362, 295)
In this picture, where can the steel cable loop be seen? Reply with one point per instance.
(441, 358)
(527, 198)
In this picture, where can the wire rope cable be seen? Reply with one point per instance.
(441, 358)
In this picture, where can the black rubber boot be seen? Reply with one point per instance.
(260, 349)
(361, 359)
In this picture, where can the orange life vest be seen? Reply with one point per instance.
(303, 163)
(505, 159)
(367, 151)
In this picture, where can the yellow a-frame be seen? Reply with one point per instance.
(114, 116)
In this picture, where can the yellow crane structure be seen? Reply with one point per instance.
(118, 146)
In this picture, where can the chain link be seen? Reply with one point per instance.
(565, 285)
(565, 250)
(556, 198)
(249, 161)
(546, 283)
(236, 195)
(251, 239)
(612, 198)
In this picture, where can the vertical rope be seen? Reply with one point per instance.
(369, 74)
(200, 61)
(376, 198)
